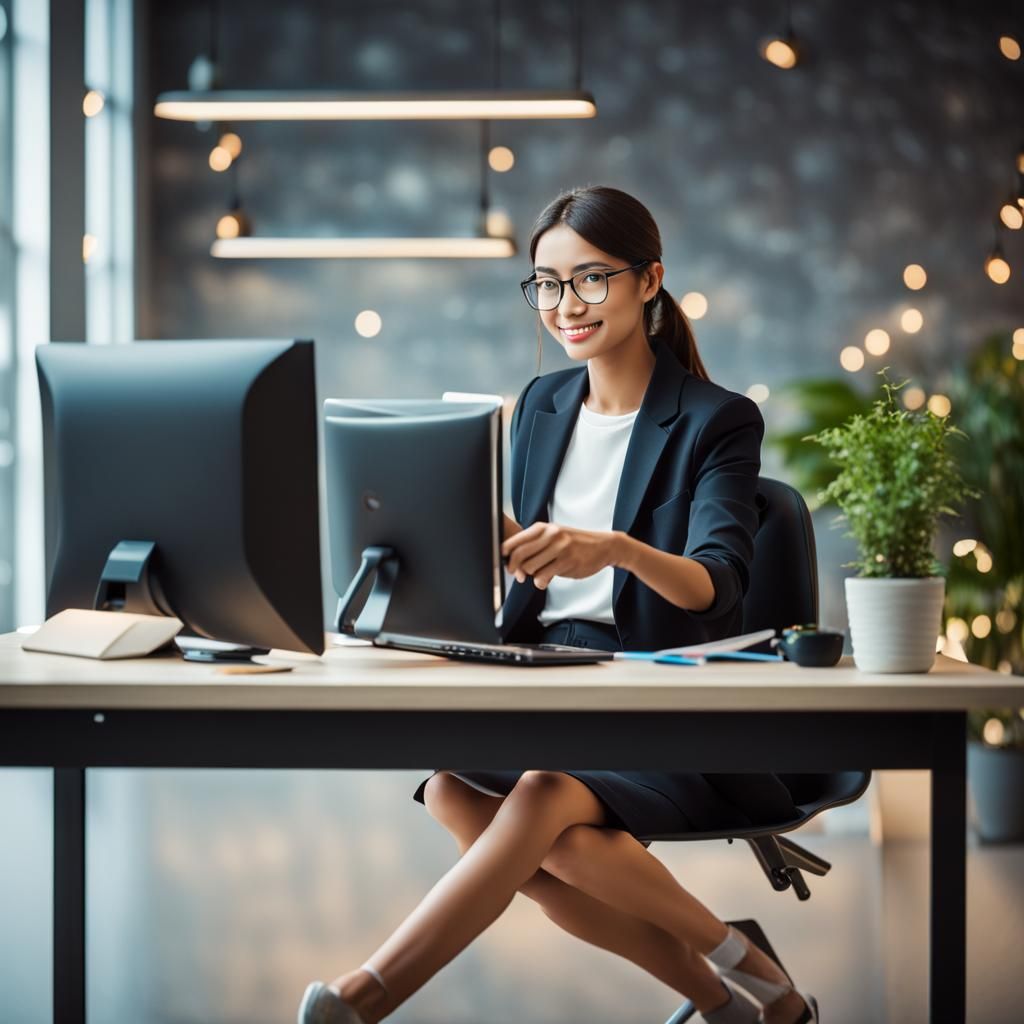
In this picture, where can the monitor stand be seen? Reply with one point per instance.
(129, 583)
(383, 563)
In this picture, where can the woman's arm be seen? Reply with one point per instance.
(546, 550)
(682, 581)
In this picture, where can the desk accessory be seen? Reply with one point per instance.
(810, 646)
(85, 633)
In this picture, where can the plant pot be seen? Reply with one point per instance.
(894, 623)
(996, 779)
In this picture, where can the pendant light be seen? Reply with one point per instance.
(486, 244)
(329, 105)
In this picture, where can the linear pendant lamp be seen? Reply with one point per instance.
(488, 104)
(491, 242)
(469, 247)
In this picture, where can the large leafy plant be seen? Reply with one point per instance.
(898, 476)
(985, 589)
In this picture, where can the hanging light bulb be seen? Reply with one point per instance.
(220, 158)
(996, 266)
(1009, 47)
(1011, 215)
(232, 142)
(782, 50)
(235, 223)
(93, 103)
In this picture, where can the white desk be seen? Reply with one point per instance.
(363, 708)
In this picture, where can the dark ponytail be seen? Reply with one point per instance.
(623, 227)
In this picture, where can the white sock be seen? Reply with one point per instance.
(728, 953)
(738, 1010)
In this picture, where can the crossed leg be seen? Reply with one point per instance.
(466, 812)
(545, 839)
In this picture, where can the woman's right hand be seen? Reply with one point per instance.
(511, 528)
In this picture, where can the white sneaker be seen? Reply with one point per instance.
(322, 1005)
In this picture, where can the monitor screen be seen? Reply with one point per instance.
(208, 451)
(423, 479)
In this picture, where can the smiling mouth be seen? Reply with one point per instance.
(580, 331)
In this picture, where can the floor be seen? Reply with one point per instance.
(214, 897)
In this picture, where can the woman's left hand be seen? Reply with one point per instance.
(546, 550)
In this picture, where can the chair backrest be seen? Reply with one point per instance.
(783, 587)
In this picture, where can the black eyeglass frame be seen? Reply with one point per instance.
(571, 282)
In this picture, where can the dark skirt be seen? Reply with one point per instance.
(654, 803)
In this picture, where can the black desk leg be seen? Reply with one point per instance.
(69, 896)
(948, 966)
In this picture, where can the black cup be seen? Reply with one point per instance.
(810, 646)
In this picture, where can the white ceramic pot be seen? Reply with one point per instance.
(895, 623)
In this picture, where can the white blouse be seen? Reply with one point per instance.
(584, 497)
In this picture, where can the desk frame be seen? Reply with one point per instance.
(712, 741)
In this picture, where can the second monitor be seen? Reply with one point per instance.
(414, 504)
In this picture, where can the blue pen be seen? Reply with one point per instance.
(661, 659)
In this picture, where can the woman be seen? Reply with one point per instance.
(617, 469)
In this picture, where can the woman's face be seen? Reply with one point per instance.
(587, 330)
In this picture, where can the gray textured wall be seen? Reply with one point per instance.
(793, 200)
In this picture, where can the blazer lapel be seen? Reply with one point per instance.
(658, 411)
(549, 438)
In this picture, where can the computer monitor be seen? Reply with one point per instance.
(414, 502)
(184, 481)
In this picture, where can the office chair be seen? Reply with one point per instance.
(783, 592)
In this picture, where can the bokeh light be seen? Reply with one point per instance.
(368, 323)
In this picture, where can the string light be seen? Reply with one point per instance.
(981, 626)
(232, 142)
(957, 631)
(368, 323)
(914, 276)
(964, 547)
(758, 393)
(993, 732)
(501, 159)
(1009, 47)
(93, 103)
(234, 223)
(851, 358)
(220, 158)
(694, 305)
(912, 320)
(877, 341)
(1006, 619)
(996, 266)
(939, 405)
(1011, 215)
(913, 398)
(783, 51)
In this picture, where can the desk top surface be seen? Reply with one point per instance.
(366, 678)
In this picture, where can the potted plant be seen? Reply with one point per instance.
(897, 478)
(985, 592)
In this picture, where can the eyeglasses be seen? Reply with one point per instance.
(589, 286)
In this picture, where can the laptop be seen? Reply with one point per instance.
(502, 654)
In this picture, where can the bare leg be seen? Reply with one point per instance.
(475, 891)
(465, 812)
(613, 867)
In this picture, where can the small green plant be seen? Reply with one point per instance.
(897, 477)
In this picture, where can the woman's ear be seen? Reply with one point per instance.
(655, 273)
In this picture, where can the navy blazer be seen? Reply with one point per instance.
(688, 486)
